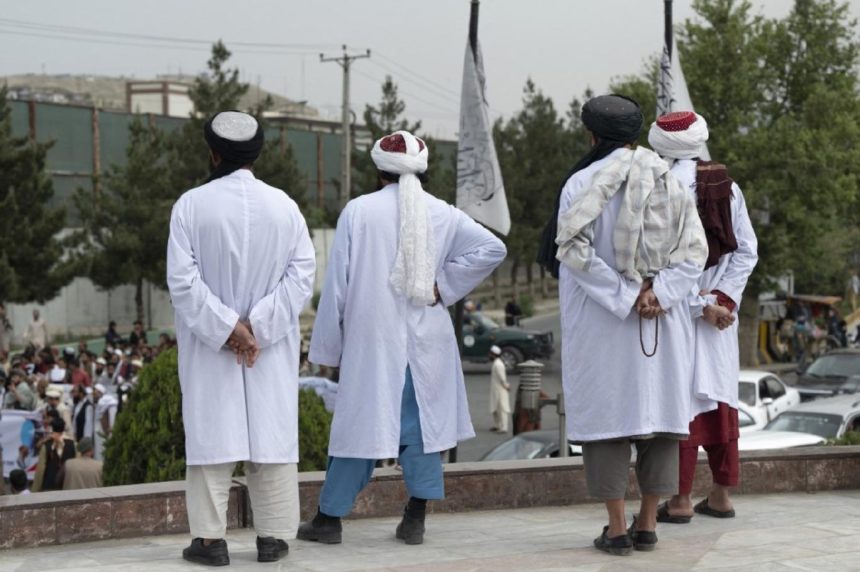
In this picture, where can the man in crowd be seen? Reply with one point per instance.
(5, 330)
(500, 391)
(53, 455)
(106, 406)
(83, 414)
(513, 312)
(137, 337)
(400, 257)
(54, 402)
(732, 255)
(36, 333)
(18, 482)
(83, 472)
(19, 395)
(112, 338)
(250, 305)
(631, 248)
(80, 375)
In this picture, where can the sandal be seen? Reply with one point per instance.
(663, 515)
(703, 508)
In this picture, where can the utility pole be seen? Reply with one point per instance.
(345, 61)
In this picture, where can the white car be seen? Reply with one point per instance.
(748, 420)
(766, 395)
(809, 423)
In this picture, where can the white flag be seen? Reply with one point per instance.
(672, 93)
(480, 191)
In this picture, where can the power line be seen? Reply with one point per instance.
(148, 37)
(411, 95)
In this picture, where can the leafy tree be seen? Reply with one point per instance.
(148, 440)
(535, 151)
(30, 253)
(219, 90)
(385, 118)
(124, 235)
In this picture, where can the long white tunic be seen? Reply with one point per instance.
(372, 332)
(500, 399)
(239, 248)
(611, 389)
(717, 363)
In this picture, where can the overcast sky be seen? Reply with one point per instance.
(563, 45)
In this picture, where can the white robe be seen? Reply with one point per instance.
(239, 248)
(372, 332)
(500, 399)
(717, 363)
(611, 389)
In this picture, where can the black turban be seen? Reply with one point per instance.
(615, 121)
(236, 150)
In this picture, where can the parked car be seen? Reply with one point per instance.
(529, 445)
(809, 423)
(828, 374)
(748, 419)
(480, 333)
(766, 394)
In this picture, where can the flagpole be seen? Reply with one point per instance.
(667, 16)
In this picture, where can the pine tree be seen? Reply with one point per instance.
(30, 253)
(125, 228)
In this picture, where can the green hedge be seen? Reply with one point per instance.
(148, 440)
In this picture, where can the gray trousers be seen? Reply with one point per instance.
(607, 466)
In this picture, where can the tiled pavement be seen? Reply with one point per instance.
(772, 532)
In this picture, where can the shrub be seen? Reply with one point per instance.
(314, 427)
(148, 440)
(850, 438)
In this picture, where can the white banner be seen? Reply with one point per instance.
(672, 92)
(19, 429)
(480, 190)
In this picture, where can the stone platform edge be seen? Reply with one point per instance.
(159, 508)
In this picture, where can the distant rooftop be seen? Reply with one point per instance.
(109, 92)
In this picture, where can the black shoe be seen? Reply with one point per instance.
(644, 540)
(617, 545)
(271, 549)
(411, 527)
(215, 554)
(323, 528)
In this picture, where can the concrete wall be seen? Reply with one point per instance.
(81, 309)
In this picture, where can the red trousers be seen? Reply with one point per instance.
(717, 432)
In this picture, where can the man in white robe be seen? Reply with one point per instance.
(240, 268)
(626, 328)
(733, 252)
(400, 257)
(500, 389)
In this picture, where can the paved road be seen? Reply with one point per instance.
(478, 390)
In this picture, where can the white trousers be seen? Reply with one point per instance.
(500, 420)
(274, 491)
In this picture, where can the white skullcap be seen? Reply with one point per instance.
(57, 374)
(100, 388)
(496, 350)
(234, 126)
(687, 143)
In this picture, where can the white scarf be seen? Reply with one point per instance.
(414, 274)
(686, 144)
(657, 225)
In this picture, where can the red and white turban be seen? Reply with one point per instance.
(679, 135)
(414, 272)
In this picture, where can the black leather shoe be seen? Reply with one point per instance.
(644, 540)
(323, 528)
(617, 545)
(215, 554)
(411, 527)
(271, 549)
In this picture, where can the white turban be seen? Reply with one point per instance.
(683, 144)
(414, 272)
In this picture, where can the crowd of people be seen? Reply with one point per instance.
(74, 395)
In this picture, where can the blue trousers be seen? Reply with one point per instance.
(422, 472)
